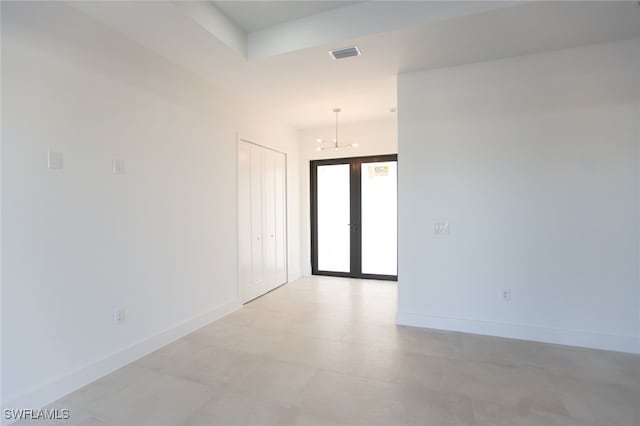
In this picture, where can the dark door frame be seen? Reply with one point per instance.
(355, 184)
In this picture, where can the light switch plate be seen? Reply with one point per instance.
(441, 228)
(506, 295)
(119, 316)
(117, 167)
(54, 160)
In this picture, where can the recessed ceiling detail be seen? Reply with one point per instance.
(254, 15)
(291, 74)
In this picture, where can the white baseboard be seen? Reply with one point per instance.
(68, 383)
(586, 339)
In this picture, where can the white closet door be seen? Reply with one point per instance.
(261, 219)
(245, 238)
(257, 235)
(280, 218)
(269, 217)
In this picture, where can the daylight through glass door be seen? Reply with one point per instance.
(354, 217)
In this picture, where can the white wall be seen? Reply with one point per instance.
(159, 240)
(1, 222)
(534, 162)
(373, 138)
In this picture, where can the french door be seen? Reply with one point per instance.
(354, 217)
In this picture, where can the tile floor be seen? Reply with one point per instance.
(326, 351)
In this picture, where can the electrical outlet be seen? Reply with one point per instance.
(119, 315)
(506, 295)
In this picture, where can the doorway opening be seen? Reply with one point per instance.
(354, 230)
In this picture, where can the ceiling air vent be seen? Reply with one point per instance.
(346, 52)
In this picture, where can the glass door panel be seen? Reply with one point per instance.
(354, 217)
(333, 218)
(379, 182)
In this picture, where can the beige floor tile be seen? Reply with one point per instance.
(181, 352)
(427, 407)
(107, 385)
(318, 353)
(326, 351)
(491, 414)
(427, 342)
(156, 400)
(405, 367)
(528, 387)
(306, 419)
(273, 381)
(353, 400)
(558, 360)
(236, 409)
(599, 403)
(211, 366)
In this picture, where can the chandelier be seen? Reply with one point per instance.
(335, 146)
